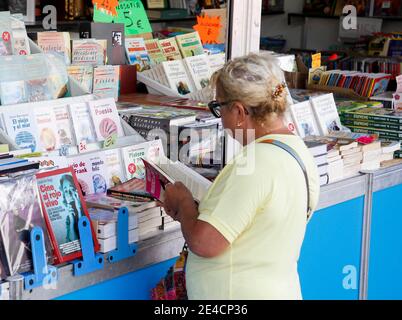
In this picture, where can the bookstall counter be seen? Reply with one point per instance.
(351, 250)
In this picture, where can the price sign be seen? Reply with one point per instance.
(82, 147)
(208, 28)
(131, 13)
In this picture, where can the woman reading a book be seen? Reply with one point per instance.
(245, 235)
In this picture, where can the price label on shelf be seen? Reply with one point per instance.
(82, 147)
(131, 13)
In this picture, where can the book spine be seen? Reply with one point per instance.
(356, 116)
(148, 123)
(375, 125)
(388, 135)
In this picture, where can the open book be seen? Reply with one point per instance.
(167, 171)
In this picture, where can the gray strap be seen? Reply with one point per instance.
(294, 154)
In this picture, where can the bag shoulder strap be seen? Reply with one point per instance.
(294, 154)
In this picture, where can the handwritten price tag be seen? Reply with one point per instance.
(131, 13)
(209, 28)
(82, 147)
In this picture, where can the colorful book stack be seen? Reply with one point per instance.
(364, 84)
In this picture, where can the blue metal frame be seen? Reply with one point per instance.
(43, 273)
(90, 261)
(124, 249)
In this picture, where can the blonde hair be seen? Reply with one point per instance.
(256, 81)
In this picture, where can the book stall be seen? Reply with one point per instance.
(94, 122)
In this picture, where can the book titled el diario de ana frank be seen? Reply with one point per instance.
(63, 205)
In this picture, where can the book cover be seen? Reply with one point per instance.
(137, 53)
(190, 44)
(6, 38)
(198, 68)
(105, 118)
(177, 76)
(326, 114)
(13, 92)
(82, 123)
(106, 82)
(131, 190)
(63, 122)
(91, 172)
(216, 61)
(84, 74)
(156, 180)
(114, 164)
(21, 128)
(63, 205)
(20, 213)
(89, 52)
(132, 157)
(46, 123)
(170, 49)
(57, 43)
(39, 90)
(304, 119)
(154, 51)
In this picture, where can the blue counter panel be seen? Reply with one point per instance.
(329, 264)
(132, 286)
(385, 264)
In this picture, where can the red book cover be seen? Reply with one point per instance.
(63, 204)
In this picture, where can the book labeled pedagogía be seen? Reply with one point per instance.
(63, 205)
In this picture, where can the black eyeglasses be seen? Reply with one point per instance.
(215, 107)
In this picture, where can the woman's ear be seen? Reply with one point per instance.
(240, 112)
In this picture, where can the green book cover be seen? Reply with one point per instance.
(190, 44)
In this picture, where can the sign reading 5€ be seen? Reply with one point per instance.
(131, 13)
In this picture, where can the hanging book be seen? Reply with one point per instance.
(63, 205)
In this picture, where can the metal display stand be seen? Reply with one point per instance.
(90, 261)
(124, 249)
(43, 273)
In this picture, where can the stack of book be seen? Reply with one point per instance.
(320, 154)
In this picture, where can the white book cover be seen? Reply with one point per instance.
(216, 61)
(105, 118)
(82, 123)
(326, 113)
(46, 123)
(177, 76)
(21, 128)
(133, 165)
(115, 172)
(62, 117)
(199, 70)
(91, 171)
(304, 119)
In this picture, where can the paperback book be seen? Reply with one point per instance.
(105, 118)
(82, 123)
(190, 44)
(63, 205)
(177, 77)
(57, 43)
(83, 74)
(137, 53)
(198, 68)
(326, 113)
(170, 49)
(304, 119)
(90, 52)
(106, 82)
(154, 51)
